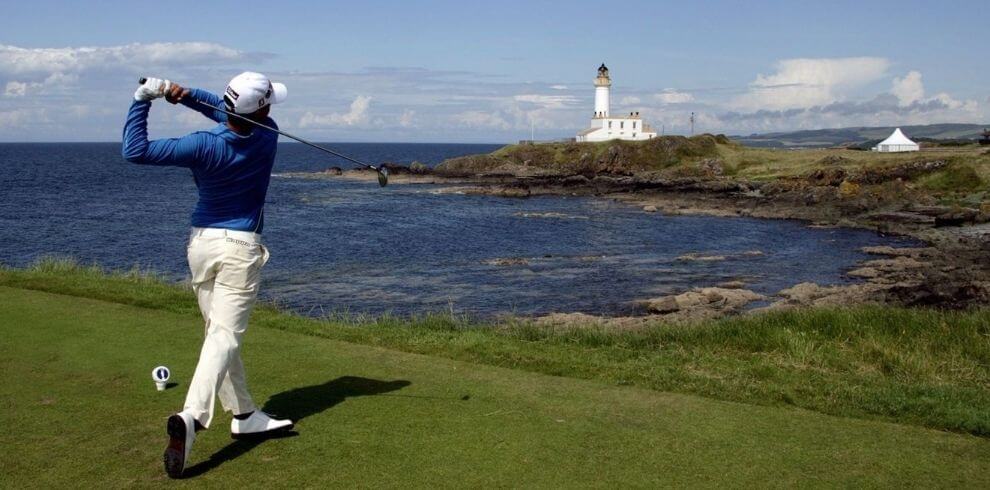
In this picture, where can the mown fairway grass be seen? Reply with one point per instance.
(81, 411)
(912, 366)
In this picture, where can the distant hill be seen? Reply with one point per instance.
(861, 136)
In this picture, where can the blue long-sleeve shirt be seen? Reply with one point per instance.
(232, 172)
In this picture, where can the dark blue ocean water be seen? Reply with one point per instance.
(339, 245)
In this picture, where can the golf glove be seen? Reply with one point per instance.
(152, 88)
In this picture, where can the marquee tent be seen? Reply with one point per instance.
(896, 142)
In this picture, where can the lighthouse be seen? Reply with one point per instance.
(603, 85)
(604, 126)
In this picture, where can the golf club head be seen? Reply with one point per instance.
(382, 176)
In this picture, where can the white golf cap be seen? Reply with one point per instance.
(251, 91)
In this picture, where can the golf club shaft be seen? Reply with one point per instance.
(283, 133)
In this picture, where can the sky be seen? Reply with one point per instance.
(497, 72)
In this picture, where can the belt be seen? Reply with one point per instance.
(221, 233)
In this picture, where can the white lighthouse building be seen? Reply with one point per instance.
(606, 127)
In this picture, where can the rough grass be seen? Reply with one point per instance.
(136, 287)
(915, 366)
(588, 158)
(965, 180)
(957, 177)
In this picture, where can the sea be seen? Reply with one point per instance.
(346, 247)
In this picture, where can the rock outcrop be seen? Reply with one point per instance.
(507, 261)
(924, 276)
(702, 303)
(904, 171)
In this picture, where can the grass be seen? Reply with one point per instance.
(590, 158)
(915, 366)
(82, 412)
(646, 155)
(957, 177)
(964, 181)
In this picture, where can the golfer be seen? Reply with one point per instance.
(231, 165)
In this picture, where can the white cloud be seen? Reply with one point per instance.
(78, 111)
(15, 89)
(546, 112)
(480, 119)
(951, 103)
(809, 82)
(415, 103)
(678, 121)
(357, 115)
(16, 60)
(189, 119)
(882, 110)
(908, 89)
(671, 96)
(18, 118)
(547, 101)
(407, 120)
(53, 83)
(905, 104)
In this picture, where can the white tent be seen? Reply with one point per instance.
(896, 142)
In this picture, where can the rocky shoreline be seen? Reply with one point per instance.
(952, 271)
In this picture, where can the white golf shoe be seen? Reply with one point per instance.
(181, 429)
(259, 424)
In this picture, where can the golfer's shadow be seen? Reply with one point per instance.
(297, 404)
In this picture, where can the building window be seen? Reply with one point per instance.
(610, 125)
(622, 124)
(634, 124)
(634, 134)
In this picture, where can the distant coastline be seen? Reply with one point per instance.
(862, 137)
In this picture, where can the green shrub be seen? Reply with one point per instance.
(955, 177)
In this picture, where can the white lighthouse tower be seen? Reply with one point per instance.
(603, 85)
(604, 127)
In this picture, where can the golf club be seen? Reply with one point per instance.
(382, 171)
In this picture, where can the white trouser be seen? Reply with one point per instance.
(226, 273)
